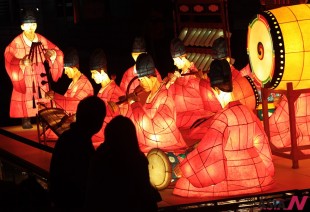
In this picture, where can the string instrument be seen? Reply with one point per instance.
(137, 91)
(37, 55)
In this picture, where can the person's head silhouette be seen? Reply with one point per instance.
(120, 134)
(90, 114)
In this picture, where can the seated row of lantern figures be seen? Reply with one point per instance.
(206, 122)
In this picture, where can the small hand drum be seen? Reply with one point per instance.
(160, 168)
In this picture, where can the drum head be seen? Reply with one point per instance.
(261, 50)
(159, 168)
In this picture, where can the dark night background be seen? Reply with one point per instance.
(111, 25)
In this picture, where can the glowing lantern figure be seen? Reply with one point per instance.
(24, 62)
(233, 157)
(109, 91)
(155, 119)
(280, 135)
(184, 89)
(138, 47)
(79, 88)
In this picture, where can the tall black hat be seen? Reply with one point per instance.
(219, 48)
(71, 57)
(98, 60)
(29, 15)
(145, 65)
(138, 45)
(220, 75)
(177, 48)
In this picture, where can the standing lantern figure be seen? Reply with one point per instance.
(25, 60)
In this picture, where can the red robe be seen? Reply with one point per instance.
(75, 93)
(129, 74)
(111, 92)
(156, 125)
(186, 94)
(233, 157)
(279, 126)
(26, 83)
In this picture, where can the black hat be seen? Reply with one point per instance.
(220, 75)
(138, 45)
(145, 65)
(29, 15)
(98, 60)
(177, 48)
(71, 57)
(219, 48)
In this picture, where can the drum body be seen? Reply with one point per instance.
(246, 92)
(278, 46)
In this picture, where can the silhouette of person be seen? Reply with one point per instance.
(27, 59)
(118, 174)
(72, 154)
(109, 90)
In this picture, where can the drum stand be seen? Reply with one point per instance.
(295, 152)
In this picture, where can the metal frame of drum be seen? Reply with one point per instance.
(295, 151)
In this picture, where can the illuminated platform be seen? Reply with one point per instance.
(21, 147)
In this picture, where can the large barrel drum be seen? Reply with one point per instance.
(246, 92)
(278, 46)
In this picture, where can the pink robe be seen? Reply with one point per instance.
(129, 74)
(186, 94)
(280, 135)
(155, 124)
(26, 92)
(111, 92)
(233, 157)
(75, 93)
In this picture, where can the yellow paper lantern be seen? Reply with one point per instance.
(279, 47)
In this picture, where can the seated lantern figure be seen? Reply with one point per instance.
(183, 88)
(234, 156)
(279, 122)
(109, 91)
(155, 118)
(138, 47)
(79, 88)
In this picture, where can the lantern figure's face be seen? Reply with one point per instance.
(29, 29)
(135, 55)
(147, 83)
(223, 97)
(70, 72)
(179, 62)
(99, 77)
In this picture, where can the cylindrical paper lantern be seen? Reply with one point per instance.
(278, 46)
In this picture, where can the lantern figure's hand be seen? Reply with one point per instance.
(113, 106)
(49, 95)
(50, 54)
(132, 98)
(26, 61)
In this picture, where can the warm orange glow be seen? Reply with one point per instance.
(233, 157)
(279, 47)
